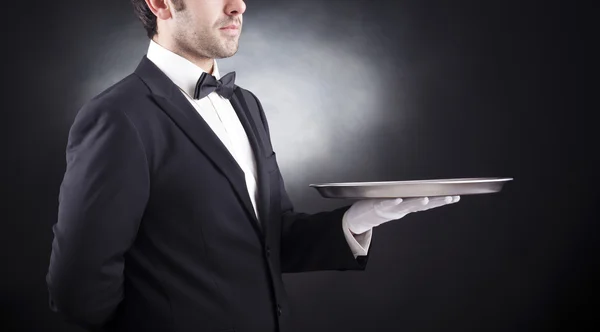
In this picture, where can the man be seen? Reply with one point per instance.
(173, 214)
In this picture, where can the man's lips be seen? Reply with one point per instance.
(232, 27)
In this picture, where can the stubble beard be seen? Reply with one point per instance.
(206, 43)
(210, 45)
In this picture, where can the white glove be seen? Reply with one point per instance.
(366, 214)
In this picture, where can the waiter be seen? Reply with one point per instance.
(173, 215)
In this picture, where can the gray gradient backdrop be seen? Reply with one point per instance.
(354, 91)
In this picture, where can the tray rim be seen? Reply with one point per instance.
(414, 182)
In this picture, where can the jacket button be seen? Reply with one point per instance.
(268, 251)
(278, 310)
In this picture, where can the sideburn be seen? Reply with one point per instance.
(178, 5)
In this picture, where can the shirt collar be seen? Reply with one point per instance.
(180, 70)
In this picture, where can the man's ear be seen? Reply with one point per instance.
(160, 8)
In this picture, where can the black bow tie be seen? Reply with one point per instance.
(208, 83)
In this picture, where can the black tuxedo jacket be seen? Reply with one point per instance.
(156, 231)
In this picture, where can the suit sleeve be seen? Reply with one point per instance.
(101, 202)
(312, 242)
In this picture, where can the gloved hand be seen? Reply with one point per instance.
(366, 214)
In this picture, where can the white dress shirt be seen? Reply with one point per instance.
(218, 113)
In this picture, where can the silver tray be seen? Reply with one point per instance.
(413, 188)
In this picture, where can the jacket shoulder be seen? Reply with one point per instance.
(124, 92)
(124, 97)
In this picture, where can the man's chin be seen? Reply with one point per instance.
(225, 56)
(227, 53)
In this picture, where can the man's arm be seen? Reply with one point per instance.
(312, 242)
(102, 198)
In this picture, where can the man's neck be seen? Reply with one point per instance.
(205, 63)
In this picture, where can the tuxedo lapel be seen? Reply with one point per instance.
(170, 99)
(244, 114)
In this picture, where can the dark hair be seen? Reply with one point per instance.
(146, 16)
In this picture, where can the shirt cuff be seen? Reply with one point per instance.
(359, 244)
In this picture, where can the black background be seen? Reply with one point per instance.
(354, 91)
